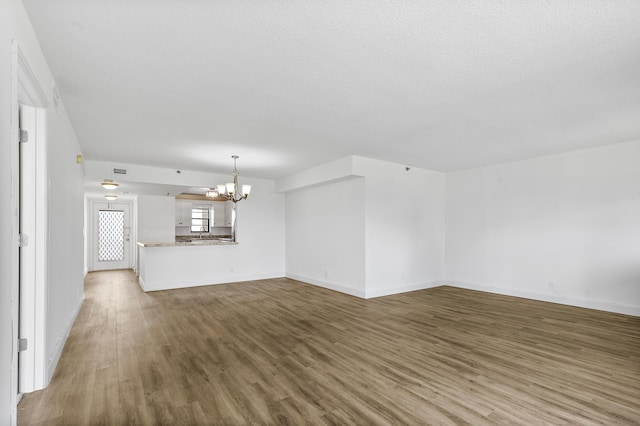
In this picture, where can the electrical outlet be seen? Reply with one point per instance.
(552, 285)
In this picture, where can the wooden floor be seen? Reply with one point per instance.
(283, 352)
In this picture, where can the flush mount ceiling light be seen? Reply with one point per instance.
(110, 197)
(231, 190)
(109, 184)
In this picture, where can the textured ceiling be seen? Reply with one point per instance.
(444, 85)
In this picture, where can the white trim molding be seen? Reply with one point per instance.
(29, 90)
(403, 289)
(158, 285)
(54, 355)
(327, 284)
(599, 305)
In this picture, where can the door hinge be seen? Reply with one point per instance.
(23, 240)
(24, 136)
(22, 345)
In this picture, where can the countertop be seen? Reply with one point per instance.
(194, 242)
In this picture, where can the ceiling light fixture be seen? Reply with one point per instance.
(110, 197)
(109, 184)
(231, 190)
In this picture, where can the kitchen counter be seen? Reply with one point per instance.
(193, 242)
(171, 265)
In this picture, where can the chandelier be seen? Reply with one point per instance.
(231, 190)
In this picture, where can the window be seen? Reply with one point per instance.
(200, 219)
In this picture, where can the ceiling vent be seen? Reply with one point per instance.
(120, 171)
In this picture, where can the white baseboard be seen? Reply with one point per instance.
(231, 278)
(327, 284)
(599, 305)
(54, 355)
(360, 293)
(141, 282)
(404, 289)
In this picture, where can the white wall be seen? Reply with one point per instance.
(373, 228)
(405, 227)
(326, 235)
(260, 229)
(334, 171)
(562, 228)
(156, 219)
(65, 254)
(64, 275)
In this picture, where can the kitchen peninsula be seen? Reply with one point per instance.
(202, 253)
(174, 251)
(164, 266)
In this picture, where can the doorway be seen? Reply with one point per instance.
(111, 236)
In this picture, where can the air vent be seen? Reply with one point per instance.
(120, 171)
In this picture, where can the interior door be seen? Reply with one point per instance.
(26, 252)
(32, 253)
(30, 203)
(111, 236)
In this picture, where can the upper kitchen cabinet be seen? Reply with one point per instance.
(228, 213)
(219, 213)
(183, 213)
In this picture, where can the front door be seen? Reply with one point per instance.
(111, 236)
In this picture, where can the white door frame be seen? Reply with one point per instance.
(32, 368)
(26, 90)
(92, 244)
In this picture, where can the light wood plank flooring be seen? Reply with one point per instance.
(283, 352)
